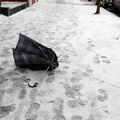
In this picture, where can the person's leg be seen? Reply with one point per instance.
(0, 7)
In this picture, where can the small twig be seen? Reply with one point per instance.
(106, 82)
(59, 55)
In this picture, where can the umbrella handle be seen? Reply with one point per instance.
(35, 85)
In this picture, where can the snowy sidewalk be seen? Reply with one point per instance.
(86, 86)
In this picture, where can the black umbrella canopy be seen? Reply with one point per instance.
(33, 55)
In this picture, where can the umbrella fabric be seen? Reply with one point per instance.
(33, 55)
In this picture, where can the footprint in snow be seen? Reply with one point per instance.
(98, 59)
(59, 117)
(77, 117)
(32, 109)
(105, 60)
(90, 44)
(103, 95)
(72, 103)
(50, 79)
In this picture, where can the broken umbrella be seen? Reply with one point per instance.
(33, 55)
